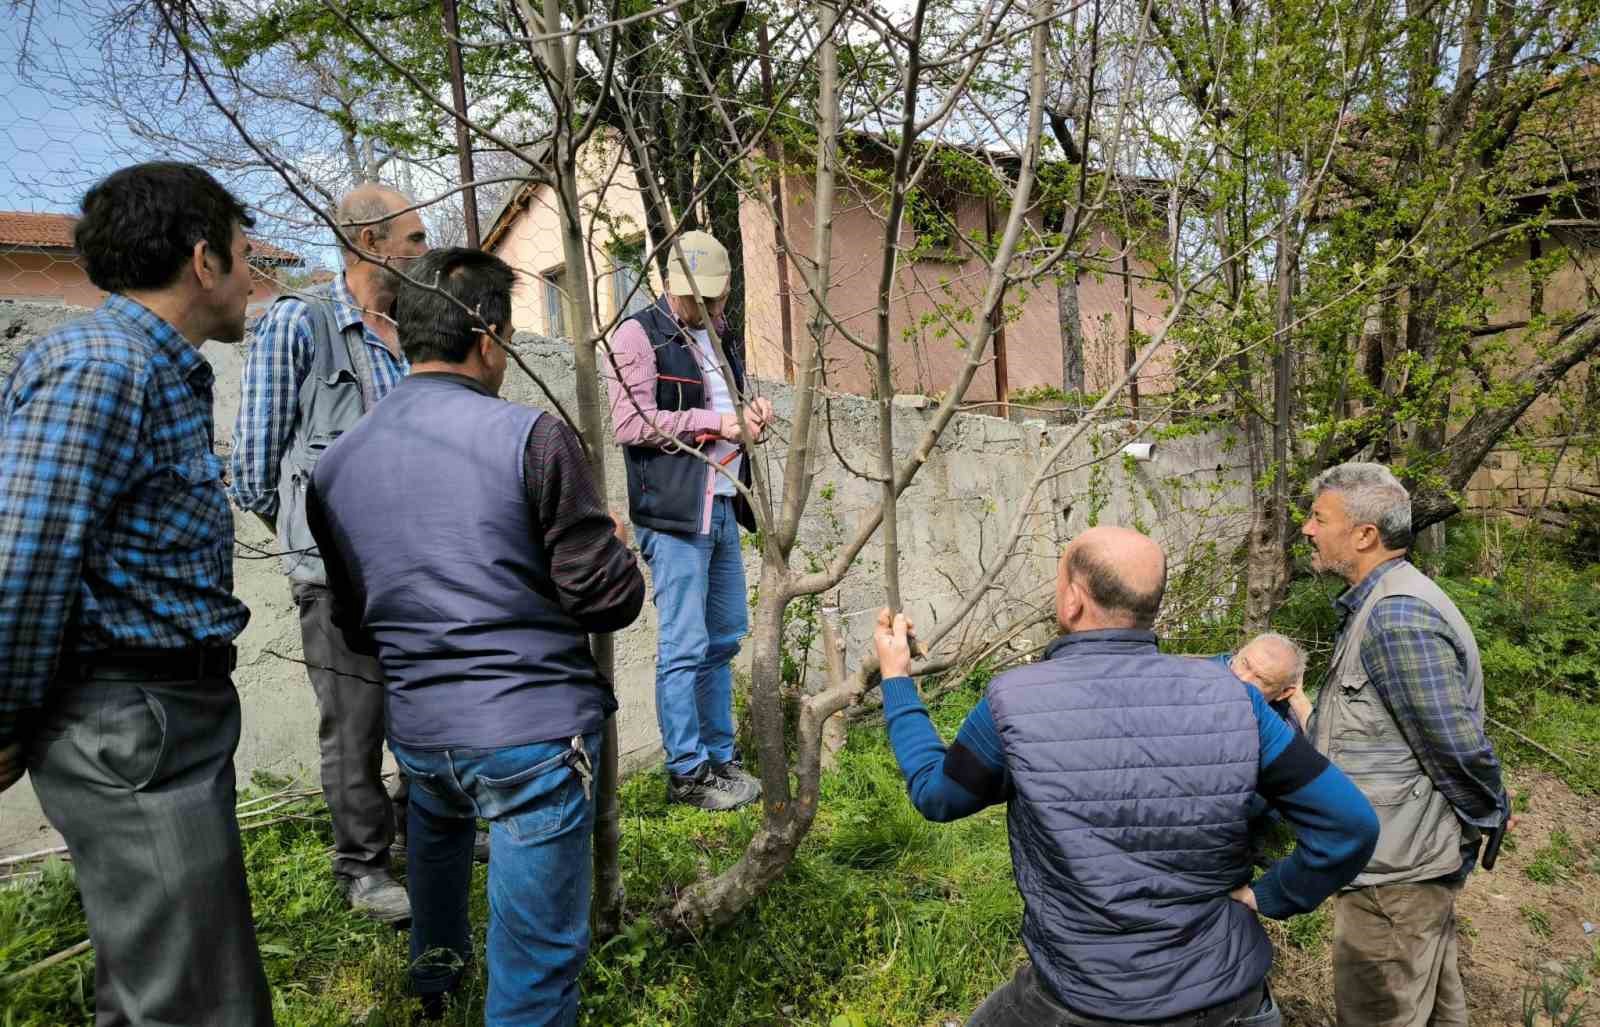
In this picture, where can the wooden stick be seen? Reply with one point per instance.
(28, 857)
(48, 961)
(1528, 741)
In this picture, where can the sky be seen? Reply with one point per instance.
(50, 149)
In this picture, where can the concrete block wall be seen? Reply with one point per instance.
(953, 521)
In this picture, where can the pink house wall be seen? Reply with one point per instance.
(932, 309)
(49, 276)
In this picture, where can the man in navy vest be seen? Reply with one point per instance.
(1126, 776)
(466, 545)
(682, 434)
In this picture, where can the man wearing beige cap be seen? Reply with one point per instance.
(674, 407)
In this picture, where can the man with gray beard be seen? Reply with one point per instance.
(321, 359)
(1401, 713)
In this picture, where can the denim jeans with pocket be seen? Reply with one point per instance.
(539, 801)
(703, 610)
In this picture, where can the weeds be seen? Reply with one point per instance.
(1556, 861)
(1549, 1000)
(1538, 922)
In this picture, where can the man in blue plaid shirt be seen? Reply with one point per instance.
(319, 361)
(1401, 712)
(116, 561)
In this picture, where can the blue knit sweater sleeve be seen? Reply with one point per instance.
(1333, 823)
(944, 783)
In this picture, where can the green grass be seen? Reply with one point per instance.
(883, 919)
(1538, 922)
(1556, 861)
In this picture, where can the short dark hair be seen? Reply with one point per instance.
(1112, 592)
(140, 224)
(435, 327)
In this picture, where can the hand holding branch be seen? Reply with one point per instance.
(892, 638)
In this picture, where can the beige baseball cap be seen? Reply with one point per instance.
(707, 261)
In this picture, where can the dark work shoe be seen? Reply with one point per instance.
(708, 790)
(379, 896)
(734, 771)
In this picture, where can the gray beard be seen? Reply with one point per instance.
(1340, 567)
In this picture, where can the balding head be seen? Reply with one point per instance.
(369, 207)
(1272, 662)
(1110, 577)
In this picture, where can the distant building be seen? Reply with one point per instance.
(938, 284)
(39, 265)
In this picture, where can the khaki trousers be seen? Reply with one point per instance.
(1394, 957)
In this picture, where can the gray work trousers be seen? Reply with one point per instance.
(350, 733)
(137, 775)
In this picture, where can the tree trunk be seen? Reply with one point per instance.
(606, 914)
(1071, 320)
(784, 821)
(1267, 547)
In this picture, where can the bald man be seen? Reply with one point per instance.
(1126, 776)
(1276, 665)
(318, 361)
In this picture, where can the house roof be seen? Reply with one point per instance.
(54, 232)
(44, 231)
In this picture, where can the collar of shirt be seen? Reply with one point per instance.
(349, 310)
(684, 326)
(1350, 599)
(452, 378)
(170, 343)
(1135, 635)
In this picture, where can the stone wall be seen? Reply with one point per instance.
(952, 521)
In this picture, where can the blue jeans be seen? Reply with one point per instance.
(703, 612)
(539, 802)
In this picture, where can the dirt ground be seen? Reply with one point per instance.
(1506, 945)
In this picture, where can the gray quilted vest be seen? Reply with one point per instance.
(336, 391)
(1133, 772)
(1419, 837)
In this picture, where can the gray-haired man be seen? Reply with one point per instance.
(1276, 666)
(319, 361)
(1401, 713)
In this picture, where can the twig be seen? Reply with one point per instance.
(29, 857)
(1528, 741)
(48, 961)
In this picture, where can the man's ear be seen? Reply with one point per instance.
(486, 343)
(200, 261)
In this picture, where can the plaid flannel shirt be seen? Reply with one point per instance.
(269, 404)
(114, 530)
(1411, 657)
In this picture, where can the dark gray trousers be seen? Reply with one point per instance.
(350, 733)
(138, 778)
(1024, 1001)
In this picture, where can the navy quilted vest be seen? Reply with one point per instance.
(1132, 772)
(427, 497)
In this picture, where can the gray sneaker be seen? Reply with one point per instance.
(708, 790)
(379, 896)
(734, 771)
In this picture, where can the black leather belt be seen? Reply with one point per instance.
(191, 664)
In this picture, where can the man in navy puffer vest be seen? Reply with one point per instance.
(1127, 775)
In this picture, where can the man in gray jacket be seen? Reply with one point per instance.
(320, 360)
(1401, 712)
